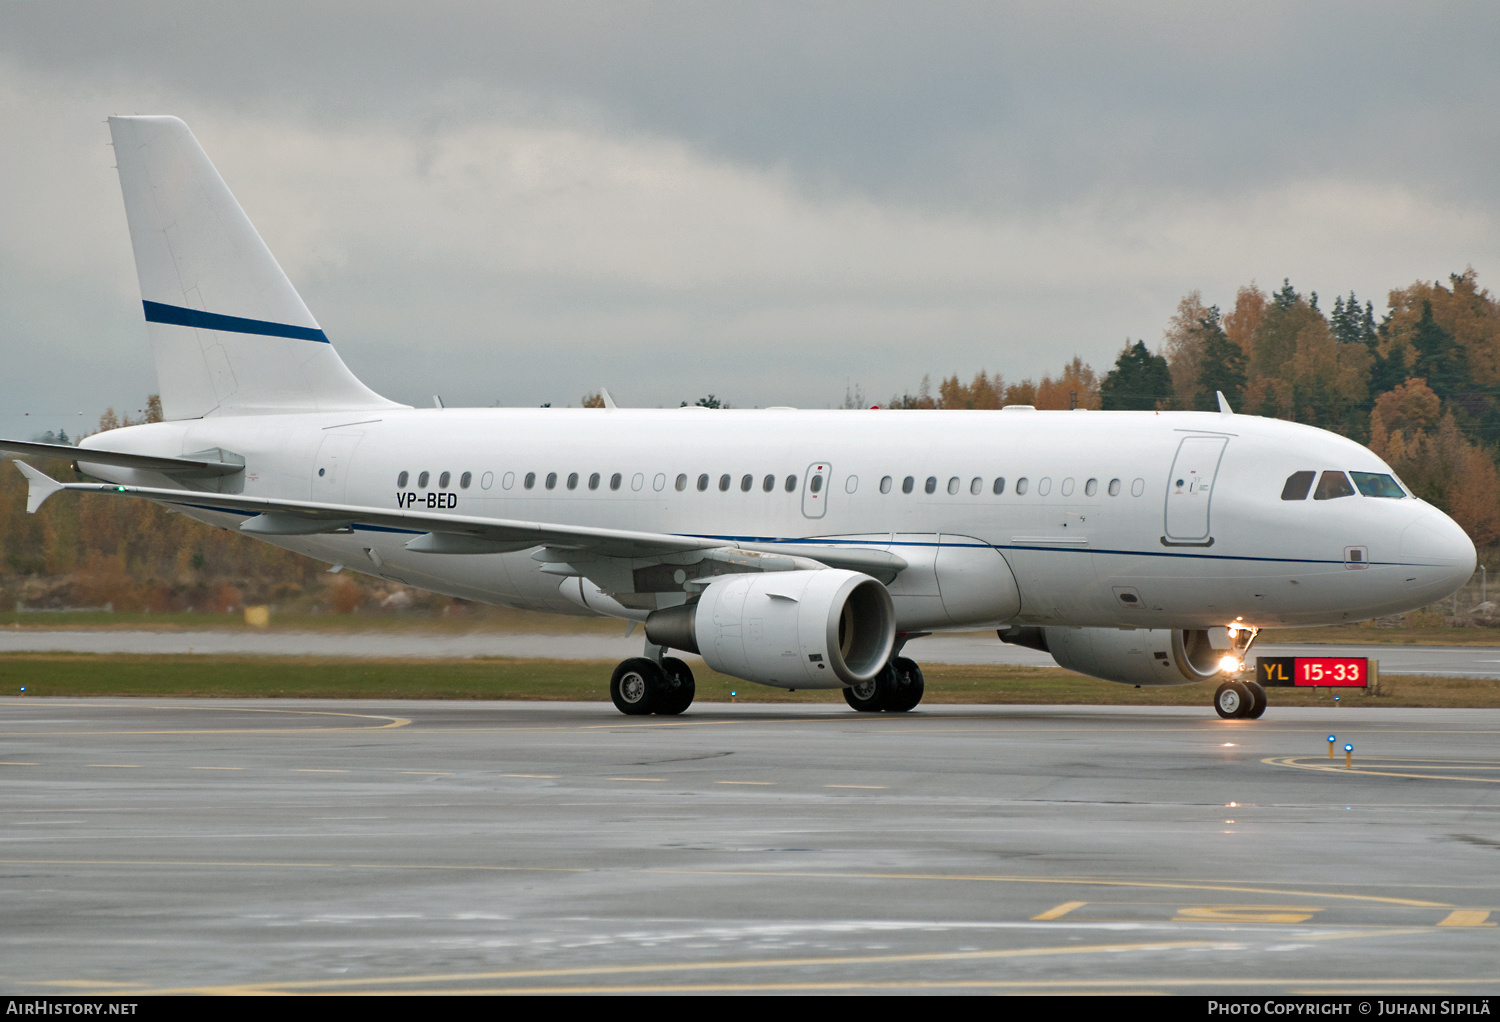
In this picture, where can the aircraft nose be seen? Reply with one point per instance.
(1438, 556)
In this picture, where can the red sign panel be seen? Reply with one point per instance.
(1320, 672)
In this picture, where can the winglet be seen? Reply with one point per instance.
(40, 486)
(1224, 408)
(609, 402)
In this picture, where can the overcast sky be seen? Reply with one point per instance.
(519, 203)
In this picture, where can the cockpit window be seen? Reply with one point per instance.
(1332, 485)
(1297, 485)
(1375, 484)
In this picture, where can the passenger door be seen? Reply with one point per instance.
(1190, 489)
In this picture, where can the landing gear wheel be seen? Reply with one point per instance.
(1233, 700)
(871, 696)
(677, 689)
(637, 685)
(907, 688)
(1257, 697)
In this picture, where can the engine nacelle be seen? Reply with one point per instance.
(1141, 656)
(797, 629)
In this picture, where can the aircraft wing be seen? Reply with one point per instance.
(465, 534)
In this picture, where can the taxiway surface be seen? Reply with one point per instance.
(964, 648)
(151, 845)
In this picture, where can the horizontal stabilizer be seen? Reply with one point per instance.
(39, 486)
(119, 459)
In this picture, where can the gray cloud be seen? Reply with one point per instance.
(520, 202)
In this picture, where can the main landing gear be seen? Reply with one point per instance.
(642, 685)
(1240, 699)
(896, 689)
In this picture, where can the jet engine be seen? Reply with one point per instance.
(798, 629)
(1140, 656)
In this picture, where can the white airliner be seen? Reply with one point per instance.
(799, 549)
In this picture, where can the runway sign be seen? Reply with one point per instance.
(1309, 672)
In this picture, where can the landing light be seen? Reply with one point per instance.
(1230, 664)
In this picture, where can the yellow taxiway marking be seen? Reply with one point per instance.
(870, 787)
(926, 877)
(391, 722)
(1467, 917)
(1059, 911)
(1245, 914)
(15, 763)
(759, 784)
(1083, 881)
(1334, 767)
(350, 985)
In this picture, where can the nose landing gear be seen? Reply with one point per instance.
(1240, 699)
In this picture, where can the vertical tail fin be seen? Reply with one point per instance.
(230, 334)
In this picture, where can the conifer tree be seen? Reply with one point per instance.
(1138, 381)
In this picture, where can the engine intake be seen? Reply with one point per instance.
(797, 629)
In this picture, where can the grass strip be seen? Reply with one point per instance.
(588, 680)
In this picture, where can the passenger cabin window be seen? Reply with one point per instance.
(1022, 485)
(724, 483)
(1114, 487)
(615, 481)
(422, 480)
(999, 486)
(1333, 485)
(682, 482)
(530, 480)
(572, 480)
(907, 484)
(976, 486)
(465, 479)
(594, 481)
(1091, 487)
(703, 482)
(1374, 484)
(768, 483)
(931, 486)
(816, 485)
(791, 484)
(747, 483)
(1297, 485)
(851, 484)
(953, 485)
(551, 480)
(443, 480)
(401, 480)
(885, 484)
